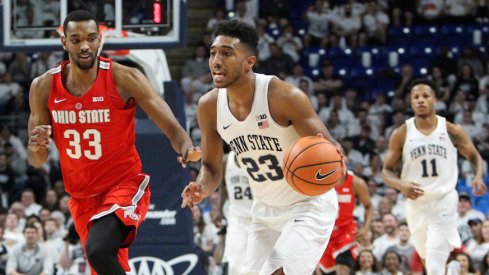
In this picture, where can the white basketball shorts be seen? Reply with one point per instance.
(432, 222)
(290, 237)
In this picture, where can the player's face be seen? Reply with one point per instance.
(82, 42)
(229, 60)
(423, 100)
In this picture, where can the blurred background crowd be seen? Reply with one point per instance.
(354, 59)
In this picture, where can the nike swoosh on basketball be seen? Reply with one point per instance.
(59, 100)
(226, 126)
(320, 176)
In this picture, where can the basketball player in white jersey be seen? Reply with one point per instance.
(236, 192)
(259, 116)
(427, 144)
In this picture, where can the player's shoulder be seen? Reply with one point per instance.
(124, 75)
(456, 133)
(42, 84)
(282, 91)
(122, 71)
(453, 128)
(399, 134)
(209, 99)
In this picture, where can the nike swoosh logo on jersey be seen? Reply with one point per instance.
(59, 100)
(226, 126)
(320, 176)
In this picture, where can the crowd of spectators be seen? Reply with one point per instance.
(363, 122)
(33, 205)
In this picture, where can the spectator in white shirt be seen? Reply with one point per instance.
(375, 22)
(481, 247)
(28, 200)
(319, 20)
(290, 43)
(8, 90)
(12, 235)
(389, 238)
(347, 26)
(466, 213)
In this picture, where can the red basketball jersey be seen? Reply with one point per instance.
(94, 134)
(346, 201)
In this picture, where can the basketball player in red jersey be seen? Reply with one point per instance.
(342, 252)
(88, 103)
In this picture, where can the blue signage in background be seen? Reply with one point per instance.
(164, 244)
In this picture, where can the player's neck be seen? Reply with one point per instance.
(82, 77)
(242, 91)
(78, 81)
(426, 124)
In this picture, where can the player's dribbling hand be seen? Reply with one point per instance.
(344, 159)
(192, 194)
(191, 154)
(39, 137)
(412, 190)
(479, 188)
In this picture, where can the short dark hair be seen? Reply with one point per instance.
(246, 33)
(79, 15)
(32, 226)
(423, 81)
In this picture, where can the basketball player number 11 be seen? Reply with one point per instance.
(425, 168)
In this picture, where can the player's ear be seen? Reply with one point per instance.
(250, 62)
(63, 41)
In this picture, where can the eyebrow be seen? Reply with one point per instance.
(76, 34)
(222, 46)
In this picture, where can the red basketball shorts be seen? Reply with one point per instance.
(129, 201)
(342, 239)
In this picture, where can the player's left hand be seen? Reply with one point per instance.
(192, 194)
(190, 154)
(479, 188)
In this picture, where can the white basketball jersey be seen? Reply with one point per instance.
(238, 186)
(259, 143)
(430, 160)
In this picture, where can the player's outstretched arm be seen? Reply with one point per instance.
(223, 196)
(361, 191)
(132, 83)
(39, 125)
(465, 146)
(210, 174)
(392, 160)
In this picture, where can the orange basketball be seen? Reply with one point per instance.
(312, 165)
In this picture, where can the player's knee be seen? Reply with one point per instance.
(97, 253)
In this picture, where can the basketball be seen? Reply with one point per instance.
(313, 165)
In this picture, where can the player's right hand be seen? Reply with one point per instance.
(39, 137)
(192, 194)
(218, 219)
(411, 190)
